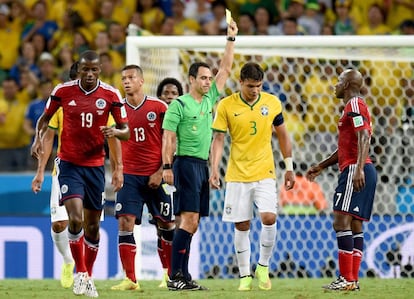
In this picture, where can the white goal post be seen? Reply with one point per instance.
(301, 71)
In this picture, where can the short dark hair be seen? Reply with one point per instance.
(133, 67)
(251, 70)
(169, 80)
(89, 55)
(193, 71)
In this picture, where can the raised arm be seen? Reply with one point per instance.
(227, 60)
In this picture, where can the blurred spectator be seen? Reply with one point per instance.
(9, 36)
(264, 25)
(40, 24)
(28, 86)
(26, 61)
(36, 107)
(47, 66)
(199, 10)
(327, 29)
(344, 24)
(136, 20)
(246, 24)
(306, 198)
(167, 27)
(359, 11)
(218, 25)
(19, 14)
(250, 6)
(123, 10)
(64, 36)
(39, 43)
(376, 22)
(290, 26)
(103, 45)
(117, 37)
(310, 19)
(151, 14)
(81, 42)
(104, 17)
(407, 27)
(183, 25)
(14, 142)
(65, 61)
(85, 8)
(109, 73)
(397, 11)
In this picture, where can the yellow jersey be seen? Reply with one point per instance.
(250, 128)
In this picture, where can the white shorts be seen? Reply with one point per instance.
(57, 213)
(240, 197)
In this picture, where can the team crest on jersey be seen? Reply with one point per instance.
(64, 189)
(264, 110)
(100, 103)
(151, 116)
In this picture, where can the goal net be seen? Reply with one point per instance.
(302, 71)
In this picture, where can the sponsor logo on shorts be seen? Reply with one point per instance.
(118, 207)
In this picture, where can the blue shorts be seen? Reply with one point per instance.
(358, 204)
(86, 183)
(193, 189)
(135, 193)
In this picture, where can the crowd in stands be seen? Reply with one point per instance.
(40, 40)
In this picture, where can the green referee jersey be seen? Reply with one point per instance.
(191, 121)
(250, 129)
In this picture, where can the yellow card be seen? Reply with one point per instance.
(228, 16)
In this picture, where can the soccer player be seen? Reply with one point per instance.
(187, 124)
(143, 183)
(355, 192)
(58, 215)
(169, 89)
(86, 105)
(249, 117)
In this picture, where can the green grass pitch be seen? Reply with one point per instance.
(218, 288)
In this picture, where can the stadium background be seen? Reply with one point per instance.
(303, 79)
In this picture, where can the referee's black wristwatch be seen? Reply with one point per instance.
(231, 38)
(167, 166)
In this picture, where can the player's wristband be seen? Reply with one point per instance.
(231, 38)
(289, 164)
(167, 166)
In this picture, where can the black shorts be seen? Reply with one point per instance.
(193, 190)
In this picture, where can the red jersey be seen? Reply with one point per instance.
(141, 154)
(84, 112)
(355, 117)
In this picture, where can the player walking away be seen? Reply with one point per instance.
(86, 105)
(249, 116)
(143, 184)
(168, 89)
(187, 124)
(355, 192)
(58, 215)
